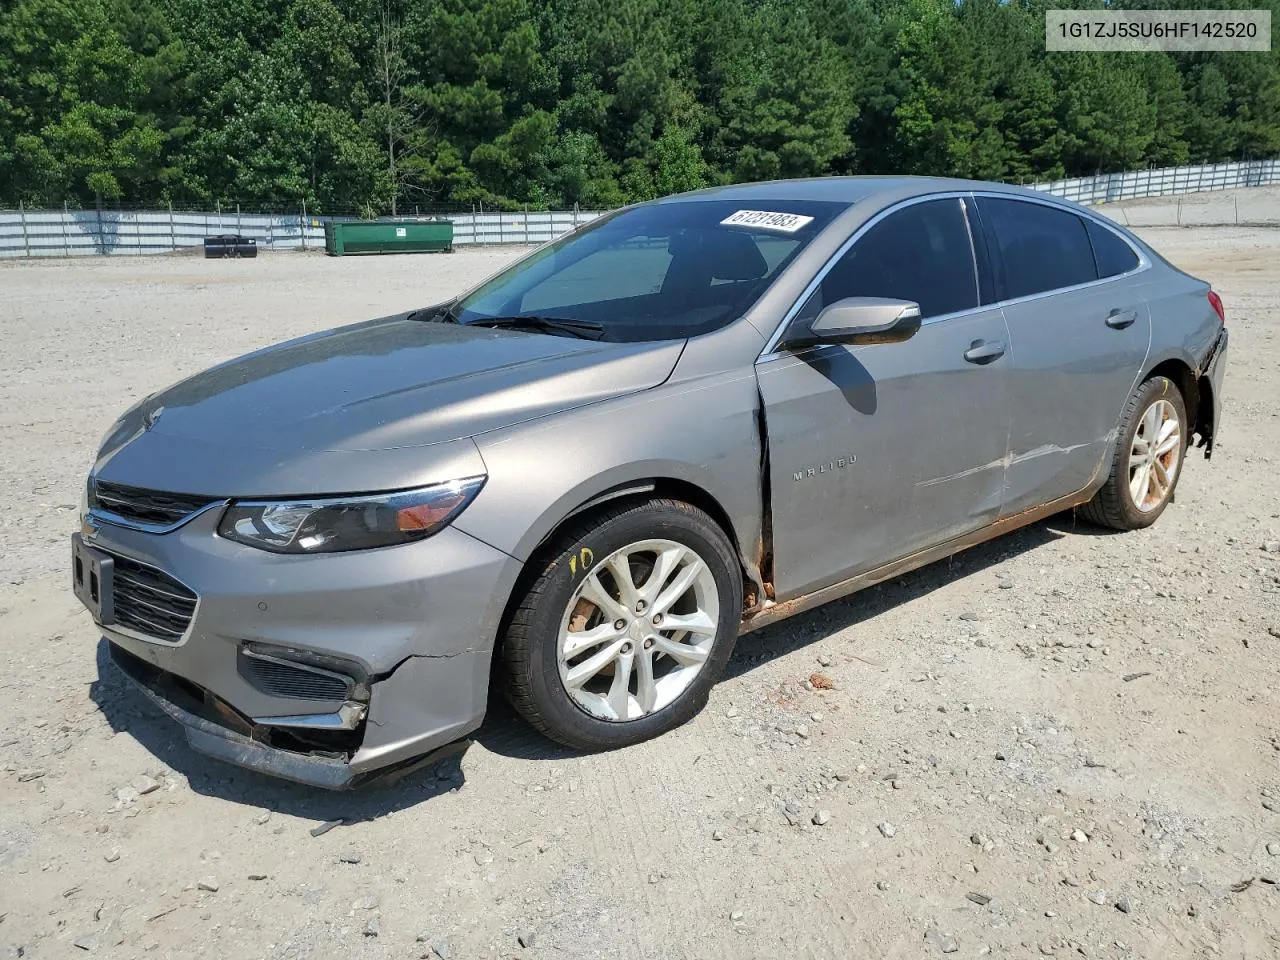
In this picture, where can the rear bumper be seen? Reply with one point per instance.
(1214, 369)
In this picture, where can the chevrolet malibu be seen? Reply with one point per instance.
(589, 474)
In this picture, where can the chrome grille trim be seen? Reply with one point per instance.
(152, 511)
(150, 603)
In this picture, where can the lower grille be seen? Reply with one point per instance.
(285, 678)
(144, 506)
(150, 601)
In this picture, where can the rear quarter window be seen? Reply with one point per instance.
(1037, 248)
(1112, 255)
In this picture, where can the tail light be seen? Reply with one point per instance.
(1215, 301)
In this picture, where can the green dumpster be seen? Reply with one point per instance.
(345, 237)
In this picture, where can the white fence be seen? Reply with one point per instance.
(72, 233)
(1164, 181)
(69, 233)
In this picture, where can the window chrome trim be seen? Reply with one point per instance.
(771, 351)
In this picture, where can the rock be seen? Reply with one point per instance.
(262, 818)
(736, 916)
(970, 616)
(144, 785)
(802, 731)
(822, 818)
(1001, 755)
(1273, 848)
(320, 829)
(887, 829)
(882, 884)
(816, 717)
(441, 949)
(1274, 630)
(1079, 836)
(1099, 897)
(372, 927)
(943, 941)
(731, 712)
(126, 795)
(824, 660)
(981, 899)
(717, 835)
(87, 943)
(207, 883)
(257, 876)
(527, 939)
(365, 903)
(27, 775)
(1006, 584)
(1271, 546)
(113, 856)
(349, 857)
(1123, 905)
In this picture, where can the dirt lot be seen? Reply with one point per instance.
(1081, 727)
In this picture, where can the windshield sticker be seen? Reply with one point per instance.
(764, 220)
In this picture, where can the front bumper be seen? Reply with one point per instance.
(413, 625)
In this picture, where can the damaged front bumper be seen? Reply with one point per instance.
(217, 730)
(325, 670)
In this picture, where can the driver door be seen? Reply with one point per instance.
(880, 450)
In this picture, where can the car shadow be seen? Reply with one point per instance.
(503, 731)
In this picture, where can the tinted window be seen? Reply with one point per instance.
(1036, 248)
(660, 271)
(920, 253)
(1112, 255)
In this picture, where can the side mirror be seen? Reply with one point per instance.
(859, 320)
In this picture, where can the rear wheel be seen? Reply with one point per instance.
(628, 626)
(1147, 462)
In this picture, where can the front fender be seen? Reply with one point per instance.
(703, 431)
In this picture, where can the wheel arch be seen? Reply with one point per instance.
(646, 486)
(1196, 391)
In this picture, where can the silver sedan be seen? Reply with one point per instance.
(683, 421)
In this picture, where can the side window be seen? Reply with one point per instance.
(1112, 255)
(920, 253)
(1036, 247)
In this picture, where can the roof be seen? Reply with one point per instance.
(842, 189)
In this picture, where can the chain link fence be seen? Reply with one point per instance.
(1217, 194)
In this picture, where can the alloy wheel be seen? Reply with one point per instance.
(1155, 455)
(638, 630)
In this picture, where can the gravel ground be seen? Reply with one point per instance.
(1064, 742)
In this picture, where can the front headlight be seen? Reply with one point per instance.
(330, 525)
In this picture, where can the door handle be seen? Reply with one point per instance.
(1119, 319)
(984, 351)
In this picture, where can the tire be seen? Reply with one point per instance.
(1115, 504)
(544, 675)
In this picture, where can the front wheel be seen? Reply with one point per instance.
(1150, 447)
(627, 627)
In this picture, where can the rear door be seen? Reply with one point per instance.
(1080, 330)
(879, 450)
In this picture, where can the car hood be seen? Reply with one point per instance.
(385, 386)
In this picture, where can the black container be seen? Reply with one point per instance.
(230, 245)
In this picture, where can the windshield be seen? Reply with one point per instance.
(657, 272)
